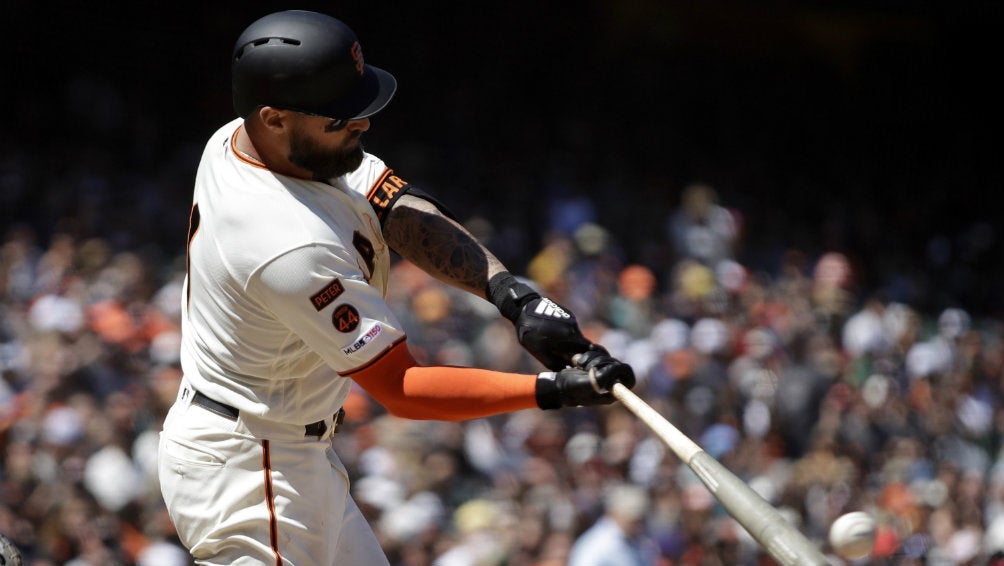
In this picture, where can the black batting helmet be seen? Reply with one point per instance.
(308, 62)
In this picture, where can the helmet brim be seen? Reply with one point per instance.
(370, 95)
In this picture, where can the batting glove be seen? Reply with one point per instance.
(583, 385)
(610, 369)
(544, 328)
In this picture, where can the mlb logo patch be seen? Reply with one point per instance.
(363, 340)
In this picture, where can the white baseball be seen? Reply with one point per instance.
(852, 535)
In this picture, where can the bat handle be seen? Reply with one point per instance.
(679, 443)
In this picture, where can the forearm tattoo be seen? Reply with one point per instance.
(419, 233)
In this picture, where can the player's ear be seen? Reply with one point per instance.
(274, 119)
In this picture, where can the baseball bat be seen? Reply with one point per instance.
(775, 534)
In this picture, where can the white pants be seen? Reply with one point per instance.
(254, 492)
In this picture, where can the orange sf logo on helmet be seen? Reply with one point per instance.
(357, 56)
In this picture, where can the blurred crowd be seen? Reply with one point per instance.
(825, 320)
(824, 397)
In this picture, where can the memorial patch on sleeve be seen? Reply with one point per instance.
(345, 318)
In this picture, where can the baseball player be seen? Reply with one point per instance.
(292, 224)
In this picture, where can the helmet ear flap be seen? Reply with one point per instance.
(309, 62)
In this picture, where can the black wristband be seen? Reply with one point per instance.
(509, 295)
(547, 393)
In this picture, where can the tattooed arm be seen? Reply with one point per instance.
(421, 234)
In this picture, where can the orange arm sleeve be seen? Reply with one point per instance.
(444, 393)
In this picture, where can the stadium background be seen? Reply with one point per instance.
(853, 126)
(864, 128)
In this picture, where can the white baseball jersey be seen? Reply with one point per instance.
(285, 284)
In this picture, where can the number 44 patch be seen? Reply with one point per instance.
(345, 318)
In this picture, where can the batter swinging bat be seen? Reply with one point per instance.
(788, 546)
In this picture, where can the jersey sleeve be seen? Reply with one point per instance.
(322, 297)
(382, 187)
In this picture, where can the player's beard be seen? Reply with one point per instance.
(323, 163)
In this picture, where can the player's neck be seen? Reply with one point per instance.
(268, 156)
(242, 142)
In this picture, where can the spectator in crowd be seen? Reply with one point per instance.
(618, 538)
(701, 228)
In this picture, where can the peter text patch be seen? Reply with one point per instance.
(327, 295)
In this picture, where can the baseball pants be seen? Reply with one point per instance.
(245, 491)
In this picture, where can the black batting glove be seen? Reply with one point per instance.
(544, 328)
(610, 369)
(582, 386)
